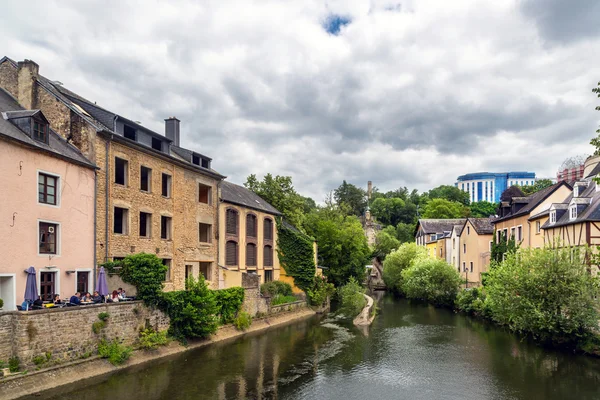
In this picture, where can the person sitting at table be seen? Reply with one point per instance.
(122, 294)
(75, 299)
(96, 298)
(38, 302)
(87, 298)
(115, 296)
(57, 299)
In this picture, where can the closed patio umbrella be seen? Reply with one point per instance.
(101, 285)
(31, 292)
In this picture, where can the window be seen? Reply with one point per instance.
(204, 193)
(505, 233)
(47, 285)
(573, 211)
(251, 225)
(454, 244)
(268, 229)
(464, 247)
(204, 232)
(468, 230)
(40, 131)
(232, 222)
(440, 251)
(512, 233)
(471, 266)
(156, 144)
(145, 224)
(231, 253)
(83, 280)
(519, 233)
(432, 238)
(166, 185)
(48, 238)
(47, 185)
(553, 217)
(145, 178)
(498, 236)
(268, 256)
(121, 171)
(491, 245)
(165, 227)
(167, 262)
(251, 255)
(129, 132)
(205, 163)
(268, 275)
(205, 270)
(120, 220)
(195, 159)
(464, 266)
(538, 227)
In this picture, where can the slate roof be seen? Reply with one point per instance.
(431, 226)
(532, 201)
(588, 208)
(20, 114)
(57, 146)
(594, 172)
(483, 226)
(236, 194)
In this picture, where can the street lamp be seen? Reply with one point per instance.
(466, 277)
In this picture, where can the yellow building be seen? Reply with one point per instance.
(475, 248)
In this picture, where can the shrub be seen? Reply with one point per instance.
(229, 303)
(114, 351)
(546, 293)
(275, 287)
(320, 291)
(432, 280)
(14, 364)
(242, 321)
(103, 316)
(39, 360)
(150, 339)
(398, 261)
(281, 299)
(351, 298)
(472, 301)
(1, 303)
(147, 273)
(98, 326)
(193, 312)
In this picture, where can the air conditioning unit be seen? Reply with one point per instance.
(50, 229)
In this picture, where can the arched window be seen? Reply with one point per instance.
(268, 256)
(251, 225)
(268, 229)
(250, 255)
(231, 253)
(231, 222)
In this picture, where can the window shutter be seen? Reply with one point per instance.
(251, 225)
(232, 222)
(268, 229)
(250, 255)
(268, 256)
(231, 253)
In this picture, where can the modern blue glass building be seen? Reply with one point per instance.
(488, 186)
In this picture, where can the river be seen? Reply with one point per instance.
(412, 351)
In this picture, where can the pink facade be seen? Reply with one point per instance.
(58, 240)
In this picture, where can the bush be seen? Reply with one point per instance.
(432, 280)
(14, 364)
(281, 299)
(472, 301)
(39, 360)
(273, 288)
(147, 273)
(1, 303)
(114, 351)
(242, 321)
(193, 312)
(229, 303)
(398, 261)
(150, 339)
(351, 298)
(546, 293)
(320, 291)
(103, 316)
(98, 326)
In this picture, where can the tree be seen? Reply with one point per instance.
(280, 193)
(441, 208)
(385, 242)
(483, 209)
(399, 260)
(353, 196)
(405, 232)
(389, 211)
(596, 141)
(309, 204)
(450, 193)
(431, 280)
(509, 193)
(536, 187)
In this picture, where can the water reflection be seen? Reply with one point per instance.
(412, 351)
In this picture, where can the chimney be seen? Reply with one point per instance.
(369, 189)
(27, 75)
(172, 130)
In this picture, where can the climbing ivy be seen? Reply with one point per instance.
(296, 254)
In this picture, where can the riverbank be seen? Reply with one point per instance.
(17, 386)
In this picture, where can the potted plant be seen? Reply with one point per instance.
(1, 304)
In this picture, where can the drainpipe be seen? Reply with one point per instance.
(218, 234)
(106, 178)
(95, 224)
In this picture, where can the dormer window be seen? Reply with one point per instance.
(195, 159)
(576, 191)
(553, 217)
(40, 131)
(573, 212)
(129, 132)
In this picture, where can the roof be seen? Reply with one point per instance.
(483, 226)
(431, 226)
(595, 171)
(588, 208)
(236, 194)
(532, 201)
(57, 146)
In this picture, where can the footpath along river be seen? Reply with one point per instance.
(412, 351)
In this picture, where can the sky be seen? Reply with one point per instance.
(403, 93)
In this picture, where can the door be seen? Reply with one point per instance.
(83, 279)
(47, 285)
(7, 293)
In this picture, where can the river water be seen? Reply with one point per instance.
(412, 351)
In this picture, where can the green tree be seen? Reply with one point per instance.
(432, 280)
(351, 298)
(536, 187)
(405, 232)
(309, 204)
(354, 197)
(147, 273)
(280, 193)
(450, 193)
(399, 260)
(441, 208)
(547, 293)
(391, 211)
(385, 242)
(596, 141)
(483, 209)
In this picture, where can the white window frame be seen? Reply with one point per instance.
(553, 217)
(90, 279)
(471, 266)
(126, 226)
(464, 248)
(538, 227)
(513, 233)
(519, 233)
(58, 191)
(573, 212)
(126, 176)
(38, 278)
(491, 242)
(58, 242)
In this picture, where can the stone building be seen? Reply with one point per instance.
(47, 208)
(152, 195)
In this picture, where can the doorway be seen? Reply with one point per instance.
(8, 292)
(83, 281)
(47, 285)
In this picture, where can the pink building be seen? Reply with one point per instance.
(46, 208)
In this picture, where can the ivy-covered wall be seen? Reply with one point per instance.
(296, 255)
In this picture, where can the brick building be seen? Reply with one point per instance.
(152, 195)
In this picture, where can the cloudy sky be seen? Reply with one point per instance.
(410, 93)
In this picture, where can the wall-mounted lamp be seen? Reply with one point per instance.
(70, 272)
(50, 266)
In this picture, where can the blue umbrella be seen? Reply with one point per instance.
(101, 285)
(31, 292)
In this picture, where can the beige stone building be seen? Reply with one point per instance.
(248, 236)
(152, 195)
(475, 248)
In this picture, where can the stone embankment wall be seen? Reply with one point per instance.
(255, 304)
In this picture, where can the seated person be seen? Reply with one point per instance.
(97, 298)
(26, 305)
(122, 294)
(75, 299)
(57, 299)
(87, 298)
(38, 302)
(115, 296)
